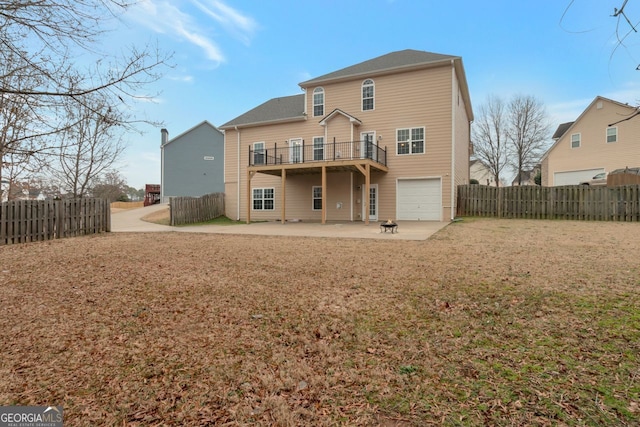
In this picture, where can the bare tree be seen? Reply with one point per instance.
(48, 38)
(110, 186)
(626, 26)
(90, 147)
(16, 122)
(527, 133)
(490, 136)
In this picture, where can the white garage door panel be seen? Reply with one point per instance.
(574, 177)
(419, 199)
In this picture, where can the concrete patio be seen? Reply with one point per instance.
(130, 221)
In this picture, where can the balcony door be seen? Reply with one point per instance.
(367, 140)
(295, 150)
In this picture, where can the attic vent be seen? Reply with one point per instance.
(599, 105)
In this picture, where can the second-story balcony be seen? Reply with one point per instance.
(296, 154)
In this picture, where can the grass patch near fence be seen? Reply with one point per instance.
(162, 217)
(221, 220)
(489, 322)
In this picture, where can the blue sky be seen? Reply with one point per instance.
(233, 55)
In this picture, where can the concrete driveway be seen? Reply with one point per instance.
(130, 221)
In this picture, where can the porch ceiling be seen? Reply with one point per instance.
(316, 167)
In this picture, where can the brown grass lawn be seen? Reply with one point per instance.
(490, 322)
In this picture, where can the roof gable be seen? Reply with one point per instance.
(339, 112)
(203, 123)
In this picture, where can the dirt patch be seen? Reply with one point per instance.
(490, 322)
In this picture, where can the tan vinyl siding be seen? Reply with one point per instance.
(462, 142)
(300, 197)
(231, 174)
(339, 129)
(415, 99)
(545, 180)
(594, 151)
(231, 200)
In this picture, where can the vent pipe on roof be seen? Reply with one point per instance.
(165, 136)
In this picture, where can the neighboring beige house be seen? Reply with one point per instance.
(388, 138)
(605, 137)
(479, 171)
(526, 177)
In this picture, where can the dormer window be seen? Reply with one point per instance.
(368, 91)
(318, 102)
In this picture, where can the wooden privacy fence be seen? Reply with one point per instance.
(189, 210)
(614, 179)
(576, 202)
(24, 221)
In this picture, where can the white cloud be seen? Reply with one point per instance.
(233, 21)
(150, 99)
(210, 48)
(184, 78)
(164, 17)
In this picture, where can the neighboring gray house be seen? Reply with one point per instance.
(192, 163)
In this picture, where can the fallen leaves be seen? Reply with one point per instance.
(471, 327)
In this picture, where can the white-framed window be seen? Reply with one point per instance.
(318, 102)
(263, 199)
(368, 95)
(316, 197)
(318, 148)
(612, 134)
(410, 141)
(575, 140)
(258, 153)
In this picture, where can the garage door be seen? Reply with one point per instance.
(574, 177)
(419, 199)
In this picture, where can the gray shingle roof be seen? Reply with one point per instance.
(388, 62)
(274, 110)
(562, 128)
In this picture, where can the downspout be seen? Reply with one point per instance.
(453, 138)
(351, 196)
(238, 178)
(164, 138)
(161, 174)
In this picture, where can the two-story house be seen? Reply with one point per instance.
(605, 137)
(388, 138)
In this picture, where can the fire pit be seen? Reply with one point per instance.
(389, 225)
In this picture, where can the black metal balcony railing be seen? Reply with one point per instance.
(299, 152)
